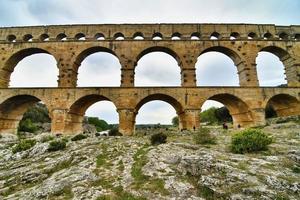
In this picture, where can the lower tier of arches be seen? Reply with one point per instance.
(67, 106)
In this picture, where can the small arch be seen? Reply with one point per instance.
(267, 36)
(157, 36)
(195, 36)
(61, 37)
(11, 38)
(283, 36)
(234, 36)
(119, 36)
(176, 36)
(80, 36)
(27, 38)
(284, 105)
(297, 36)
(44, 37)
(99, 36)
(252, 36)
(215, 36)
(138, 36)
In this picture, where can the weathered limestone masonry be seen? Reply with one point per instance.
(70, 44)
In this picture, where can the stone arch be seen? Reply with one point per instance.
(87, 52)
(287, 60)
(165, 98)
(233, 55)
(12, 110)
(284, 105)
(13, 60)
(77, 110)
(238, 109)
(169, 53)
(159, 49)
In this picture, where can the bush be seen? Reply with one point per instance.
(78, 137)
(158, 138)
(203, 136)
(24, 145)
(27, 126)
(56, 145)
(250, 140)
(114, 132)
(100, 124)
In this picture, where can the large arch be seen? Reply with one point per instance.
(89, 51)
(165, 98)
(12, 110)
(232, 55)
(238, 109)
(12, 62)
(284, 105)
(162, 61)
(77, 111)
(285, 59)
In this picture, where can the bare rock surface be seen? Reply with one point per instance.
(110, 167)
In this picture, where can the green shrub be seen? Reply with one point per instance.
(47, 138)
(78, 137)
(114, 132)
(250, 140)
(203, 136)
(56, 145)
(23, 145)
(27, 126)
(158, 138)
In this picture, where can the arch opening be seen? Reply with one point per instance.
(138, 36)
(119, 36)
(215, 36)
(80, 36)
(270, 68)
(157, 36)
(99, 36)
(195, 36)
(15, 115)
(282, 105)
(234, 36)
(217, 62)
(283, 36)
(44, 37)
(148, 112)
(235, 108)
(157, 67)
(267, 36)
(61, 37)
(252, 36)
(27, 38)
(297, 36)
(11, 38)
(96, 110)
(31, 68)
(98, 67)
(176, 36)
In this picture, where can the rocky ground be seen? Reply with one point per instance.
(129, 168)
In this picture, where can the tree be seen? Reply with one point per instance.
(209, 115)
(100, 124)
(175, 121)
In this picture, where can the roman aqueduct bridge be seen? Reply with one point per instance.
(71, 44)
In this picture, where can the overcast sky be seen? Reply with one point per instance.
(40, 69)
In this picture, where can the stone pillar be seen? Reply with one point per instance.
(258, 116)
(247, 73)
(126, 121)
(68, 71)
(127, 72)
(4, 78)
(190, 119)
(58, 120)
(74, 123)
(188, 77)
(9, 125)
(292, 71)
(127, 77)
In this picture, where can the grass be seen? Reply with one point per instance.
(24, 145)
(66, 193)
(60, 166)
(102, 160)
